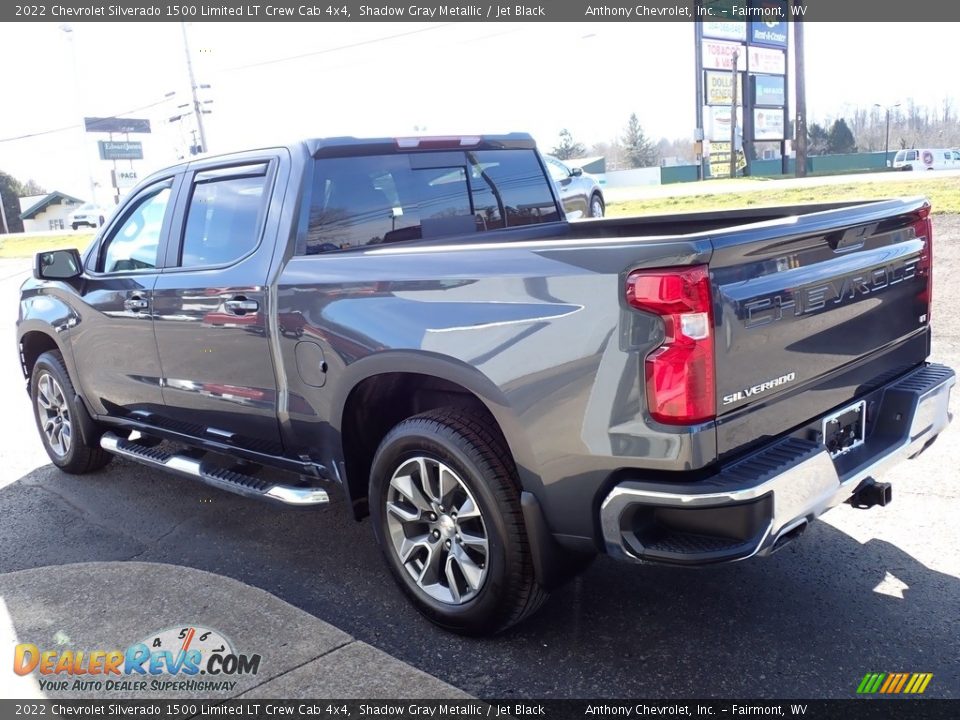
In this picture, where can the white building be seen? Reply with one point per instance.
(47, 212)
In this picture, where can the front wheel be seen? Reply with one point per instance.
(445, 505)
(55, 410)
(597, 207)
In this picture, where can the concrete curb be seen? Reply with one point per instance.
(111, 605)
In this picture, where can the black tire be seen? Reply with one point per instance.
(597, 207)
(74, 225)
(464, 442)
(77, 457)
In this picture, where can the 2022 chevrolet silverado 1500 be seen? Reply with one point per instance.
(505, 393)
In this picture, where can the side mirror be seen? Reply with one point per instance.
(57, 265)
(576, 172)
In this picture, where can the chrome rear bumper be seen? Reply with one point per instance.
(755, 505)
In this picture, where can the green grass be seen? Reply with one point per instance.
(26, 246)
(944, 195)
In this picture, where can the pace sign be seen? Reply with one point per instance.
(123, 179)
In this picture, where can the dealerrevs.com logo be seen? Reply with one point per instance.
(170, 660)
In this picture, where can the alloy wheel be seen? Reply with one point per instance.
(437, 530)
(54, 414)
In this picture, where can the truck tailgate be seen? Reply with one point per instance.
(815, 310)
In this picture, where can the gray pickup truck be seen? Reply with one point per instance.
(413, 322)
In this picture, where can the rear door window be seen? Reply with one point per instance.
(224, 216)
(369, 200)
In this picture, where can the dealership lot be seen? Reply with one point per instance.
(863, 591)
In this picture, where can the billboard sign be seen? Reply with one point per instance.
(720, 159)
(718, 55)
(769, 90)
(769, 33)
(127, 150)
(768, 124)
(116, 125)
(770, 27)
(767, 60)
(716, 122)
(718, 88)
(725, 30)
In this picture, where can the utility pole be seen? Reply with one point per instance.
(801, 125)
(193, 89)
(733, 116)
(886, 144)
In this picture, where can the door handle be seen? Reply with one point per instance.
(136, 304)
(241, 306)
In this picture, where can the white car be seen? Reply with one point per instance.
(88, 214)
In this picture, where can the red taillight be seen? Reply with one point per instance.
(680, 373)
(923, 227)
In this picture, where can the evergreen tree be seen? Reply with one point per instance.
(10, 190)
(817, 139)
(568, 147)
(841, 139)
(638, 149)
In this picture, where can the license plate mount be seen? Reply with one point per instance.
(845, 429)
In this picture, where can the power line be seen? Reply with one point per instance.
(74, 126)
(361, 43)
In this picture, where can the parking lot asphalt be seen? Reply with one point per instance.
(861, 591)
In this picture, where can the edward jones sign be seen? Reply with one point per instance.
(123, 150)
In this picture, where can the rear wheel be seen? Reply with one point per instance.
(56, 413)
(74, 225)
(445, 505)
(597, 207)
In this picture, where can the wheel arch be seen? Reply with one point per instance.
(386, 388)
(33, 340)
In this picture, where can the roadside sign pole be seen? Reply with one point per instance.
(116, 190)
(3, 217)
(733, 116)
(801, 86)
(747, 102)
(698, 105)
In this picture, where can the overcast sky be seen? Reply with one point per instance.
(276, 82)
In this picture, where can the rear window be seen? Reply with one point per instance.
(361, 201)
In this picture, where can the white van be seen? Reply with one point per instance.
(926, 159)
